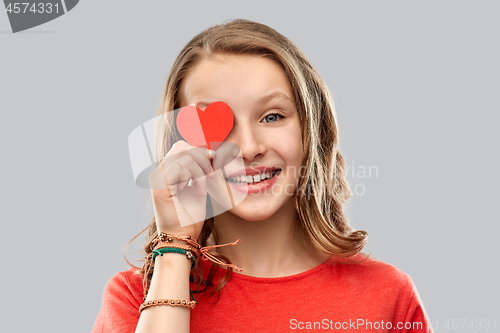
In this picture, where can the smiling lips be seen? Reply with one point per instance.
(253, 176)
(249, 180)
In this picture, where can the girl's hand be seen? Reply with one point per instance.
(180, 209)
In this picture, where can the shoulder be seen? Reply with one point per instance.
(377, 288)
(371, 282)
(129, 276)
(371, 273)
(125, 284)
(121, 300)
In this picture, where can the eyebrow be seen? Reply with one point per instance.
(263, 100)
(275, 95)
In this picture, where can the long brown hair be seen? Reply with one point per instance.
(322, 190)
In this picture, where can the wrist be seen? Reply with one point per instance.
(173, 262)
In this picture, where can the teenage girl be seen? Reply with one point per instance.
(298, 262)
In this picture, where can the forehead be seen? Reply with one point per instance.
(234, 79)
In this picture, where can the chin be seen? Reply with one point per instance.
(252, 214)
(258, 210)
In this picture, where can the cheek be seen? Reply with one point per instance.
(290, 149)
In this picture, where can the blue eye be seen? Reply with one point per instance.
(271, 118)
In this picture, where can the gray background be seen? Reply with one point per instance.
(416, 88)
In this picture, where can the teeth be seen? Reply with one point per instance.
(252, 179)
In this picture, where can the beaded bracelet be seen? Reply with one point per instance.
(163, 243)
(200, 251)
(176, 302)
(163, 250)
(164, 237)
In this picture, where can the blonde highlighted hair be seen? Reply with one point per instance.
(322, 190)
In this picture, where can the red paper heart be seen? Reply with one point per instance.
(207, 128)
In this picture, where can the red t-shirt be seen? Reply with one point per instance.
(370, 296)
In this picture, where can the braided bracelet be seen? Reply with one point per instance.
(179, 246)
(164, 238)
(163, 250)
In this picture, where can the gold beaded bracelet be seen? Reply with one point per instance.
(173, 302)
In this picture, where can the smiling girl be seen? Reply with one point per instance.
(301, 263)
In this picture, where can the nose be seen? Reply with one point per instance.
(248, 139)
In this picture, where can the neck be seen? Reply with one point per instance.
(268, 248)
